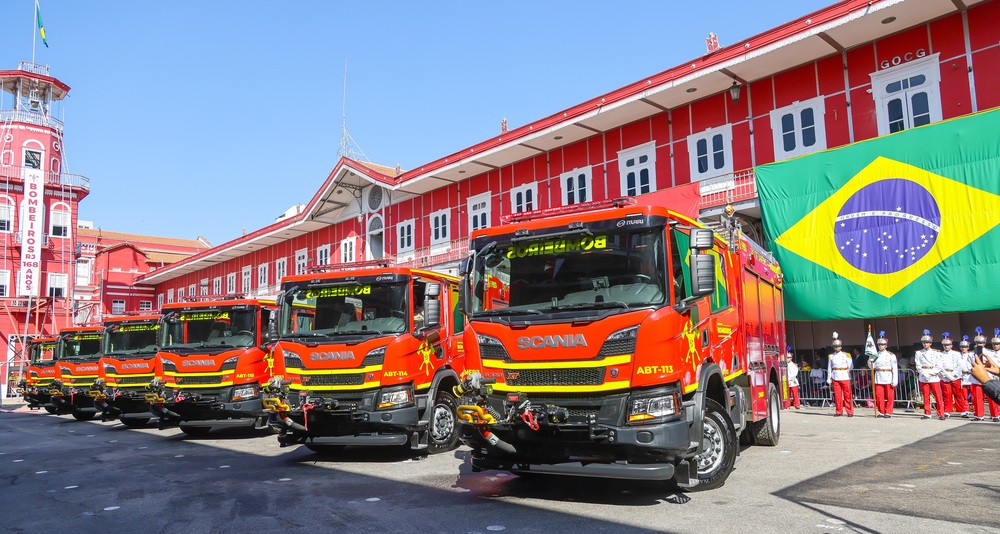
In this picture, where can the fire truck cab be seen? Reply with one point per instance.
(78, 350)
(35, 386)
(619, 340)
(125, 369)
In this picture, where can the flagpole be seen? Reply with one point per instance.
(34, 23)
(872, 367)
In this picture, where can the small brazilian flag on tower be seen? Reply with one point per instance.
(41, 27)
(904, 224)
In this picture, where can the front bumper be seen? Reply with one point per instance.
(123, 403)
(345, 421)
(209, 413)
(73, 401)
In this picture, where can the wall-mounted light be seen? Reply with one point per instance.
(734, 91)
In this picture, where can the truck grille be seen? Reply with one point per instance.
(134, 380)
(614, 348)
(334, 380)
(494, 352)
(590, 376)
(196, 380)
(376, 359)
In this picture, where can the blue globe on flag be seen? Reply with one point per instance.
(887, 226)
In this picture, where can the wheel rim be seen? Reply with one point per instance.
(713, 446)
(443, 423)
(773, 413)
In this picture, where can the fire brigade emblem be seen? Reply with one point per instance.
(614, 373)
(691, 335)
(426, 351)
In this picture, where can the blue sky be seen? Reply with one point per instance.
(204, 118)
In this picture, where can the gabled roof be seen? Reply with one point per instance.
(94, 234)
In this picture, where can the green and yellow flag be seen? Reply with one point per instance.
(905, 224)
(41, 27)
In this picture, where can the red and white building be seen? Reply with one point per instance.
(855, 70)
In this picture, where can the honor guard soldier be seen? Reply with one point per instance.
(928, 364)
(975, 386)
(966, 360)
(994, 356)
(886, 377)
(951, 376)
(793, 379)
(839, 367)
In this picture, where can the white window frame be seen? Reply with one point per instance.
(480, 210)
(159, 301)
(524, 198)
(147, 305)
(180, 296)
(630, 161)
(84, 269)
(217, 286)
(726, 138)
(204, 287)
(117, 306)
(231, 283)
(247, 279)
(404, 236)
(928, 66)
(170, 295)
(57, 281)
(4, 283)
(439, 224)
(192, 290)
(323, 255)
(262, 276)
(795, 112)
(7, 213)
(56, 216)
(569, 185)
(347, 250)
(280, 269)
(301, 260)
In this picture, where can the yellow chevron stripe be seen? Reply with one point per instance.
(691, 387)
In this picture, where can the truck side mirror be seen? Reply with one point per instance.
(702, 273)
(463, 285)
(432, 306)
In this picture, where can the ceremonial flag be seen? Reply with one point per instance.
(41, 27)
(870, 347)
(903, 224)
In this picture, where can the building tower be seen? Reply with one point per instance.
(38, 212)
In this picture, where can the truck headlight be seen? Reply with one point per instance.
(244, 393)
(395, 398)
(649, 409)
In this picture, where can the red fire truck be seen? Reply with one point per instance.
(78, 349)
(126, 368)
(619, 340)
(213, 360)
(368, 356)
(35, 386)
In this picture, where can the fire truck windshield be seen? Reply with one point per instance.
(590, 271)
(42, 352)
(346, 309)
(210, 328)
(131, 338)
(80, 346)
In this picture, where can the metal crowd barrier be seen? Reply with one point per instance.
(814, 391)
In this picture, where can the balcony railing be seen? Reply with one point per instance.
(31, 117)
(18, 238)
(728, 188)
(15, 172)
(33, 68)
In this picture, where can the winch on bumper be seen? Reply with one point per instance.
(578, 436)
(347, 419)
(205, 409)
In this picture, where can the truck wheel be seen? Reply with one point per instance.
(443, 428)
(195, 430)
(135, 423)
(325, 449)
(84, 416)
(767, 431)
(718, 437)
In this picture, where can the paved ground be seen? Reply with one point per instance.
(828, 474)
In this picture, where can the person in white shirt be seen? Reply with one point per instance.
(793, 379)
(886, 377)
(839, 367)
(951, 375)
(966, 360)
(928, 364)
(975, 386)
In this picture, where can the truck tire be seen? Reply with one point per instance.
(442, 430)
(84, 416)
(195, 430)
(716, 461)
(768, 430)
(135, 423)
(325, 449)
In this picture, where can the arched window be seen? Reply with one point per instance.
(60, 220)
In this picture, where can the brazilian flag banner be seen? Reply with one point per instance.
(905, 224)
